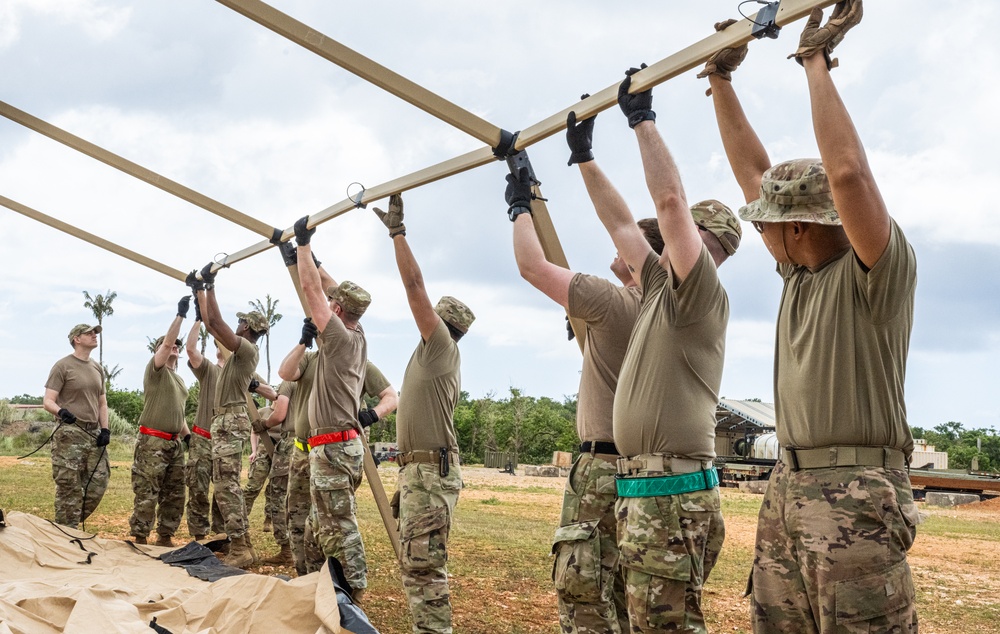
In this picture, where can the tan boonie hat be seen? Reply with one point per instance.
(352, 297)
(82, 329)
(159, 340)
(720, 221)
(455, 313)
(794, 191)
(254, 319)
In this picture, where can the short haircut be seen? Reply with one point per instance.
(651, 231)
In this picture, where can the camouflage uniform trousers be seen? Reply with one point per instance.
(588, 579)
(274, 471)
(669, 545)
(334, 475)
(81, 472)
(831, 552)
(305, 551)
(426, 506)
(230, 433)
(158, 484)
(199, 482)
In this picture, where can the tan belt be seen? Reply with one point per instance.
(849, 456)
(660, 463)
(426, 457)
(232, 409)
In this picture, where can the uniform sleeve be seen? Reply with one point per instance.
(375, 381)
(589, 297)
(286, 389)
(888, 286)
(699, 293)
(440, 342)
(57, 378)
(653, 276)
(307, 358)
(201, 370)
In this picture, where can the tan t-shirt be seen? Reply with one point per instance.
(208, 378)
(80, 385)
(610, 312)
(430, 391)
(287, 389)
(669, 384)
(336, 393)
(165, 395)
(234, 381)
(375, 381)
(842, 341)
(298, 409)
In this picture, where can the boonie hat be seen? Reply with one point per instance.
(254, 319)
(352, 297)
(159, 340)
(720, 221)
(81, 329)
(455, 313)
(794, 191)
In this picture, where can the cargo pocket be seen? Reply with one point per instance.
(424, 540)
(394, 505)
(884, 599)
(576, 570)
(657, 581)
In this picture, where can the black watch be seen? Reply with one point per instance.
(514, 212)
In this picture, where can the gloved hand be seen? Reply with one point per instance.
(103, 438)
(289, 255)
(367, 417)
(723, 62)
(183, 306)
(302, 233)
(208, 276)
(815, 38)
(393, 220)
(637, 107)
(197, 309)
(66, 416)
(309, 332)
(580, 137)
(518, 194)
(570, 333)
(187, 442)
(192, 281)
(254, 384)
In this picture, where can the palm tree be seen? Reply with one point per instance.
(110, 374)
(203, 338)
(268, 309)
(100, 305)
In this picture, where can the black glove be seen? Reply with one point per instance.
(367, 417)
(254, 384)
(570, 333)
(187, 442)
(288, 253)
(303, 233)
(66, 416)
(103, 438)
(197, 309)
(580, 138)
(207, 276)
(183, 306)
(518, 194)
(637, 107)
(192, 281)
(309, 332)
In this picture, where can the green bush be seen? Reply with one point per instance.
(119, 425)
(127, 404)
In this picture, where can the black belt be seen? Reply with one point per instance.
(599, 447)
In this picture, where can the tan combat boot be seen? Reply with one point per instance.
(164, 540)
(240, 555)
(283, 558)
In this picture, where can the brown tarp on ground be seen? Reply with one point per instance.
(46, 586)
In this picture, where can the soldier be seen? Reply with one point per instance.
(670, 527)
(199, 467)
(336, 451)
(74, 393)
(273, 469)
(231, 422)
(429, 478)
(838, 516)
(158, 461)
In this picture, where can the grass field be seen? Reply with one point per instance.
(499, 552)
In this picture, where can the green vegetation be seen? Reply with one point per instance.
(960, 444)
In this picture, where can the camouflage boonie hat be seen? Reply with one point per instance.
(794, 191)
(455, 313)
(719, 220)
(159, 340)
(352, 297)
(82, 329)
(255, 320)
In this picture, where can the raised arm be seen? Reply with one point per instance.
(163, 352)
(205, 292)
(616, 218)
(309, 276)
(747, 156)
(195, 358)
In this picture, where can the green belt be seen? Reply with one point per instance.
(657, 486)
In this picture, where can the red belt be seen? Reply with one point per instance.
(337, 436)
(156, 432)
(204, 433)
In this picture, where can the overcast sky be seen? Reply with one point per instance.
(204, 96)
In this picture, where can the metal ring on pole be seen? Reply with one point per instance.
(356, 199)
(222, 263)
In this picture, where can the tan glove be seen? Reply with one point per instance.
(393, 220)
(816, 38)
(724, 61)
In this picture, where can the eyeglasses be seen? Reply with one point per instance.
(758, 225)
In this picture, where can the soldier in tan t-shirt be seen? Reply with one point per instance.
(838, 516)
(158, 461)
(429, 478)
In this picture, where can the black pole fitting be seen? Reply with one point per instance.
(520, 159)
(505, 148)
(276, 236)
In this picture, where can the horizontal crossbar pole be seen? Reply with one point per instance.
(371, 71)
(91, 238)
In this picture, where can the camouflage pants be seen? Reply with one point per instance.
(81, 472)
(588, 579)
(158, 485)
(426, 505)
(230, 433)
(199, 482)
(274, 471)
(305, 551)
(831, 552)
(334, 475)
(669, 545)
